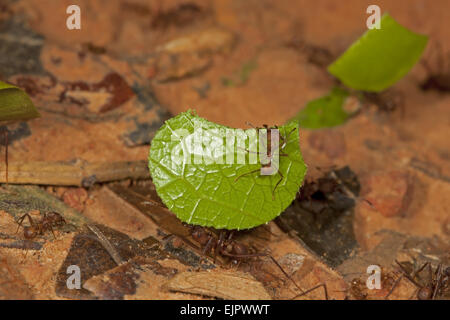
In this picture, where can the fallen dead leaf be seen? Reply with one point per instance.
(224, 284)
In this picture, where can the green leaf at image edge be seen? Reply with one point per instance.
(380, 57)
(324, 112)
(207, 194)
(15, 104)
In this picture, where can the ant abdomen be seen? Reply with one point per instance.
(425, 293)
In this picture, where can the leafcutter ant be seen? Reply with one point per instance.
(224, 245)
(437, 281)
(49, 221)
(267, 159)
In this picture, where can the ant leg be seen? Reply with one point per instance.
(208, 246)
(285, 273)
(279, 181)
(405, 273)
(244, 174)
(420, 269)
(393, 287)
(20, 221)
(245, 149)
(284, 138)
(438, 281)
(51, 229)
(251, 125)
(312, 289)
(243, 256)
(219, 244)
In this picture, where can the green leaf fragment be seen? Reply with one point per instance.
(15, 104)
(207, 193)
(324, 112)
(380, 57)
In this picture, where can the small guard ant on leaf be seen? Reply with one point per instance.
(273, 150)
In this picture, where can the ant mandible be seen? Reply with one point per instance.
(39, 227)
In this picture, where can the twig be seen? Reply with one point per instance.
(107, 245)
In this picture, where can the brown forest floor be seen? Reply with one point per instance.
(104, 90)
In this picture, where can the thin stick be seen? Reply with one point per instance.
(405, 273)
(312, 289)
(106, 244)
(394, 286)
(243, 256)
(438, 281)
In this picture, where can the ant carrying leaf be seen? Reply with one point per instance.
(198, 168)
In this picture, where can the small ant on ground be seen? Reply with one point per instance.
(437, 282)
(270, 154)
(49, 221)
(438, 70)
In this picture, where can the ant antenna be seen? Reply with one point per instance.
(249, 124)
(312, 289)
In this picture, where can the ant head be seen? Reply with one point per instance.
(52, 214)
(200, 235)
(29, 233)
